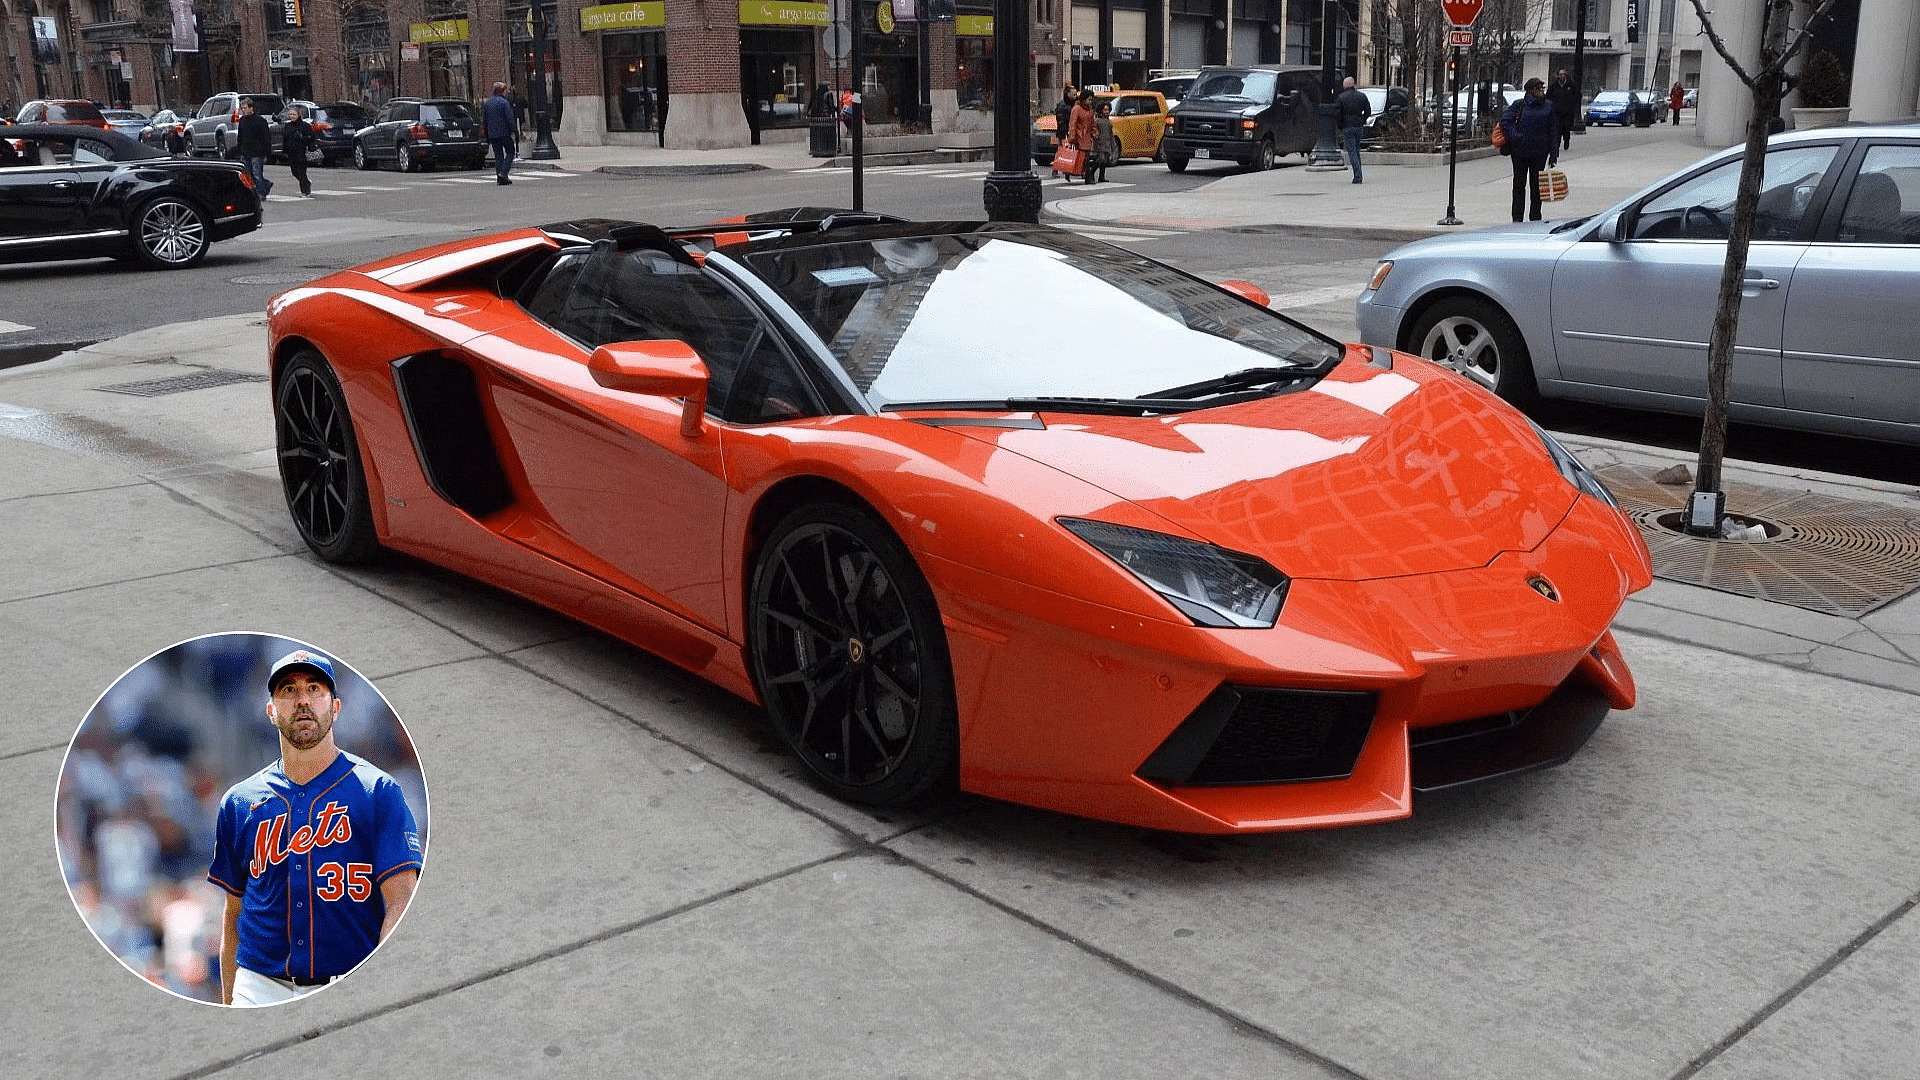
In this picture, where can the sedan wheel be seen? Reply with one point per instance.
(170, 234)
(1478, 340)
(849, 655)
(320, 462)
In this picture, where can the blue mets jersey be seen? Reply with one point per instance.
(307, 860)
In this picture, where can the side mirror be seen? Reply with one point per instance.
(1613, 228)
(661, 368)
(1247, 290)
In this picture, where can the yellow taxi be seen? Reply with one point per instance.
(1139, 120)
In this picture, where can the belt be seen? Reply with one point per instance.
(298, 981)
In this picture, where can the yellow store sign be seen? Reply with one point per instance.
(443, 30)
(644, 16)
(782, 13)
(973, 25)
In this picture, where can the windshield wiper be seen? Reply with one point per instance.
(1237, 380)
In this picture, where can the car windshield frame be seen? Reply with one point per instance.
(1071, 319)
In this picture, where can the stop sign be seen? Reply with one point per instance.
(1461, 12)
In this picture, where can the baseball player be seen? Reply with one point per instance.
(318, 852)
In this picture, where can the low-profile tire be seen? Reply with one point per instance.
(360, 159)
(848, 653)
(170, 234)
(1265, 159)
(320, 462)
(1176, 164)
(1475, 338)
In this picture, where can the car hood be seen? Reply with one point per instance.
(1371, 473)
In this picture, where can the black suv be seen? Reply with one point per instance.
(334, 127)
(215, 129)
(1251, 115)
(417, 132)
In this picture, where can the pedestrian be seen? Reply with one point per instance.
(1566, 106)
(1063, 115)
(1676, 100)
(296, 138)
(318, 852)
(1533, 143)
(501, 132)
(1080, 130)
(254, 142)
(1106, 148)
(1353, 108)
(822, 103)
(519, 103)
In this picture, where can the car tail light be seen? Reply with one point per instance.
(246, 177)
(419, 131)
(235, 118)
(322, 126)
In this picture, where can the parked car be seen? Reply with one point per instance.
(69, 192)
(1391, 106)
(1620, 107)
(1139, 122)
(1469, 104)
(1618, 307)
(84, 113)
(417, 133)
(1250, 115)
(1177, 561)
(1171, 84)
(334, 126)
(166, 130)
(1691, 99)
(125, 121)
(215, 127)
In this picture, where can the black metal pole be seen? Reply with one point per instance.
(1453, 139)
(926, 67)
(857, 21)
(1012, 191)
(543, 146)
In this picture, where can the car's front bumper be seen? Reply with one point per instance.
(1243, 151)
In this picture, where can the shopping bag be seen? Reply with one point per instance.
(1070, 160)
(1553, 185)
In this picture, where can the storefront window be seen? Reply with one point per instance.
(636, 79)
(776, 76)
(973, 57)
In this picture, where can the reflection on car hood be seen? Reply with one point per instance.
(1369, 474)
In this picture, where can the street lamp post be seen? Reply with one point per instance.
(1326, 147)
(1012, 191)
(543, 146)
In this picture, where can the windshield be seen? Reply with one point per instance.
(1006, 312)
(1233, 85)
(451, 112)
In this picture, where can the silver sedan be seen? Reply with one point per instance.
(1618, 307)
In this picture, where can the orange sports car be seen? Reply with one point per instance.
(1143, 550)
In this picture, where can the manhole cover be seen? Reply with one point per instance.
(180, 384)
(271, 279)
(1839, 556)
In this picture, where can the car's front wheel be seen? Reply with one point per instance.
(170, 234)
(320, 462)
(1478, 340)
(849, 655)
(1176, 164)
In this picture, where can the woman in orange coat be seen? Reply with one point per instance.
(1080, 129)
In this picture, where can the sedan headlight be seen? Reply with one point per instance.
(1210, 585)
(1577, 474)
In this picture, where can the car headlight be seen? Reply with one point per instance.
(1577, 474)
(1210, 585)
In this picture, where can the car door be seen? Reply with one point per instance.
(1849, 348)
(41, 196)
(1636, 314)
(1137, 124)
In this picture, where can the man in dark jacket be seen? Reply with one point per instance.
(296, 139)
(254, 143)
(1533, 142)
(501, 131)
(1566, 106)
(1353, 108)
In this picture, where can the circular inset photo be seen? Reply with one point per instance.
(241, 819)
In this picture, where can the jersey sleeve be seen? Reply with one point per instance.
(229, 870)
(397, 847)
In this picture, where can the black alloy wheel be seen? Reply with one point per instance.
(849, 655)
(170, 234)
(320, 462)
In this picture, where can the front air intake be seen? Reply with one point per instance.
(1257, 735)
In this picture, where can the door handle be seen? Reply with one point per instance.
(1762, 283)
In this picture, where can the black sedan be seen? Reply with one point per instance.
(79, 193)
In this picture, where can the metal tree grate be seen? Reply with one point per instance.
(1839, 556)
(180, 384)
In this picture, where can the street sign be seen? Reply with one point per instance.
(1460, 39)
(280, 58)
(1461, 12)
(836, 40)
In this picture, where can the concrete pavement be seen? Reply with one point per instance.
(626, 880)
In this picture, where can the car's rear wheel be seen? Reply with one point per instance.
(170, 234)
(320, 462)
(1478, 340)
(408, 163)
(360, 159)
(849, 655)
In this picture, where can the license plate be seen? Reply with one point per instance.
(455, 133)
(1203, 153)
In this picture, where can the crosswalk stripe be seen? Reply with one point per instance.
(12, 327)
(1315, 297)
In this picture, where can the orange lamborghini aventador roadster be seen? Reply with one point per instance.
(978, 505)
